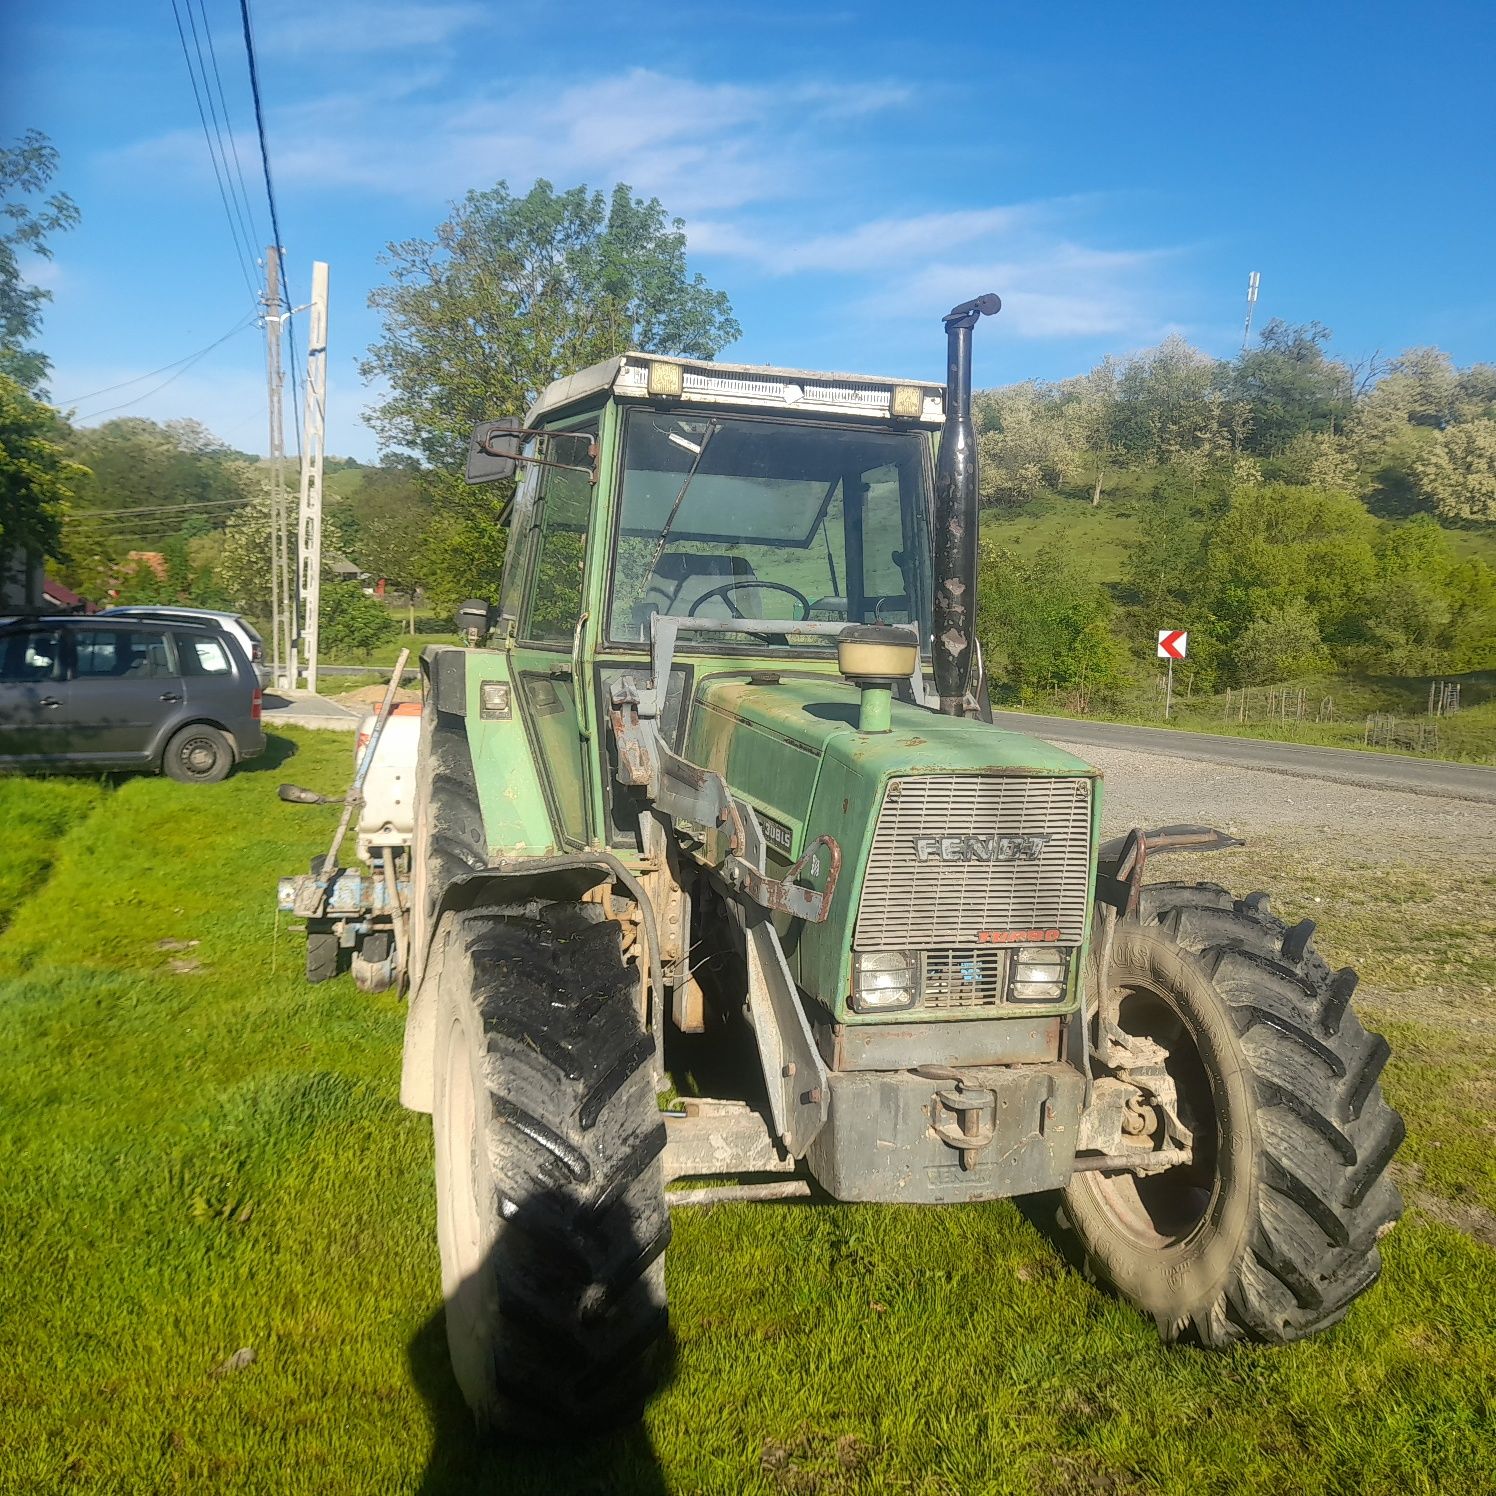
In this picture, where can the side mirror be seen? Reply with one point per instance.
(493, 452)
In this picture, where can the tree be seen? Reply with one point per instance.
(350, 621)
(1291, 386)
(1024, 444)
(242, 570)
(1043, 622)
(1281, 643)
(385, 523)
(25, 170)
(37, 478)
(515, 291)
(1456, 472)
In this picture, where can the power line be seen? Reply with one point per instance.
(218, 130)
(186, 364)
(234, 230)
(159, 508)
(280, 243)
(223, 105)
(109, 389)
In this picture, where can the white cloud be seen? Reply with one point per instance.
(331, 29)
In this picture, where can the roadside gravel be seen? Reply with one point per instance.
(1151, 789)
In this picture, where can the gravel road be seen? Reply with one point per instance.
(1150, 789)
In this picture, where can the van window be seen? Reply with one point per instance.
(30, 655)
(121, 653)
(201, 654)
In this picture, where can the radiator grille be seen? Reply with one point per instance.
(923, 905)
(964, 979)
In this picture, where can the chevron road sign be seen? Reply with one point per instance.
(1172, 644)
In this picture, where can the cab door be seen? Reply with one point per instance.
(551, 625)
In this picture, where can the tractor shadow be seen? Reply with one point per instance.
(466, 1461)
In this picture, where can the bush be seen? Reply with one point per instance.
(351, 622)
(1044, 623)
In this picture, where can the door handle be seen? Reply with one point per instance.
(50, 701)
(170, 696)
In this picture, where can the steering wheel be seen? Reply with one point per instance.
(732, 608)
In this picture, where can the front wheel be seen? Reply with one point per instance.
(551, 1214)
(1270, 1231)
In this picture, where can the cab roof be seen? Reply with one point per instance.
(701, 382)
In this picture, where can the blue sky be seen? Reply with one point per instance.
(845, 173)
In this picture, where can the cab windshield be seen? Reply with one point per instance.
(779, 520)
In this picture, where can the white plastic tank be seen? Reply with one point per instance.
(387, 816)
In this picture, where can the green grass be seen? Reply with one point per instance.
(206, 1159)
(1098, 537)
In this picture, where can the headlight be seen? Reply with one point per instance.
(884, 981)
(1037, 975)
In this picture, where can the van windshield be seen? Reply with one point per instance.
(780, 520)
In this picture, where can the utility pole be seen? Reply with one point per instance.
(281, 627)
(1253, 281)
(309, 520)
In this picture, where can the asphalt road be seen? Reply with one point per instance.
(1417, 776)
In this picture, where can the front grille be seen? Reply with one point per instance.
(909, 904)
(964, 979)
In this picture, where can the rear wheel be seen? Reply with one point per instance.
(1271, 1231)
(551, 1213)
(198, 754)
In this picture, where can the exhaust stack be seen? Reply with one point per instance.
(956, 513)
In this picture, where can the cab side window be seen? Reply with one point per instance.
(30, 655)
(555, 601)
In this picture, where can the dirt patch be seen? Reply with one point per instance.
(371, 696)
(1467, 1216)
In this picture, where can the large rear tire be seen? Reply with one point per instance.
(1272, 1231)
(551, 1212)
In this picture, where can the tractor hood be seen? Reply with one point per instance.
(769, 740)
(790, 746)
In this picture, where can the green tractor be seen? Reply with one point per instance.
(722, 872)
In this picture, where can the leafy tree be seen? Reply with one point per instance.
(1023, 444)
(515, 291)
(1281, 643)
(1043, 622)
(350, 621)
(37, 478)
(25, 170)
(1457, 472)
(242, 572)
(136, 463)
(1280, 543)
(1291, 386)
(385, 523)
(463, 557)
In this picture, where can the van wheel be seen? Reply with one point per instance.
(198, 754)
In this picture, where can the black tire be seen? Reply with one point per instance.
(322, 955)
(551, 1212)
(1272, 1232)
(198, 754)
(449, 840)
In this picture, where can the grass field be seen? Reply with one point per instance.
(201, 1155)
